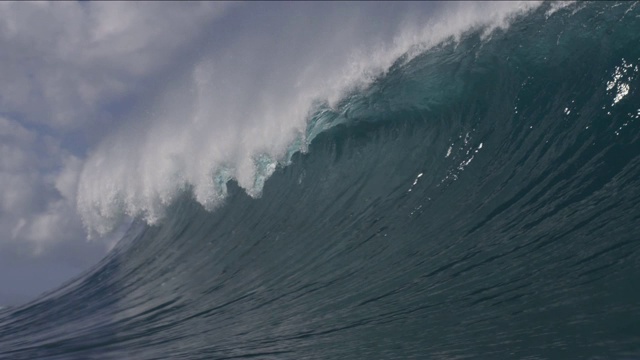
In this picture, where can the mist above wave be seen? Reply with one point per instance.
(241, 104)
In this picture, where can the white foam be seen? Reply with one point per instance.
(557, 5)
(237, 111)
(626, 72)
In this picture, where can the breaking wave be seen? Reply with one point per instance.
(474, 197)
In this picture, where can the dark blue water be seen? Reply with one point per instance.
(478, 201)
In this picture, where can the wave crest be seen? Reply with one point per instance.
(244, 108)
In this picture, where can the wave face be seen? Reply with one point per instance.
(478, 200)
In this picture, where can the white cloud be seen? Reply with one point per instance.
(64, 63)
(38, 217)
(34, 211)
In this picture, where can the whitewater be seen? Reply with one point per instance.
(236, 118)
(464, 187)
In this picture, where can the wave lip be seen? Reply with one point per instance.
(226, 120)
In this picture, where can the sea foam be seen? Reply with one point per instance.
(238, 110)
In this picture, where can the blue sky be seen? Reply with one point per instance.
(110, 109)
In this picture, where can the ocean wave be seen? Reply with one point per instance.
(223, 121)
(477, 200)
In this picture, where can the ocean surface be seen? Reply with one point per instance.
(478, 200)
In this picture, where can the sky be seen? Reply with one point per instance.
(109, 110)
